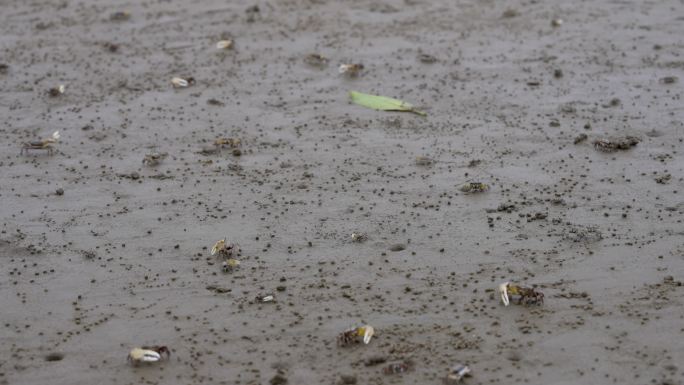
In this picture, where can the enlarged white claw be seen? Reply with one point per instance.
(55, 135)
(224, 44)
(218, 244)
(503, 291)
(144, 355)
(179, 82)
(368, 334)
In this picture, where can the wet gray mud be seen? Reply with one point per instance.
(119, 257)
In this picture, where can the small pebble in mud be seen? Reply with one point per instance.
(278, 379)
(614, 102)
(580, 138)
(215, 102)
(424, 161)
(398, 247)
(54, 357)
(426, 59)
(474, 163)
(510, 13)
(237, 152)
(669, 80)
(375, 360)
(59, 191)
(252, 13)
(120, 16)
(556, 23)
(558, 73)
(347, 379)
(111, 47)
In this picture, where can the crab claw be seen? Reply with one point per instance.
(144, 355)
(55, 135)
(367, 332)
(503, 291)
(217, 245)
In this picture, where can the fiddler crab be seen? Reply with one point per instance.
(56, 91)
(474, 187)
(399, 367)
(229, 252)
(265, 298)
(148, 354)
(230, 142)
(456, 374)
(224, 44)
(351, 70)
(316, 60)
(225, 249)
(526, 295)
(353, 336)
(358, 237)
(154, 158)
(45, 144)
(179, 82)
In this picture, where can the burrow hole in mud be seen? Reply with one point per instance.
(54, 357)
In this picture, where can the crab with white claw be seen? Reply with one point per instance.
(226, 250)
(154, 159)
(179, 82)
(45, 144)
(148, 354)
(56, 91)
(526, 295)
(351, 70)
(353, 335)
(456, 374)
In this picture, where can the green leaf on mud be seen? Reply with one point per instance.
(382, 103)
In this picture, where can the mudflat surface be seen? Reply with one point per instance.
(121, 258)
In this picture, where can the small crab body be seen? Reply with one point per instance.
(148, 354)
(356, 335)
(526, 295)
(456, 374)
(474, 187)
(45, 144)
(316, 60)
(154, 158)
(226, 250)
(351, 70)
(230, 265)
(230, 142)
(398, 367)
(607, 145)
(359, 237)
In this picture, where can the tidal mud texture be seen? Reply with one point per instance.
(101, 253)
